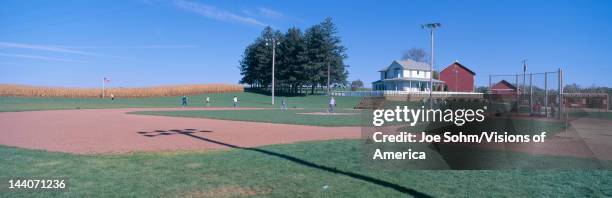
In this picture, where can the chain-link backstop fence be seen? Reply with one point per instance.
(532, 94)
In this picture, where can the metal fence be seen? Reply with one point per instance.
(398, 93)
(535, 94)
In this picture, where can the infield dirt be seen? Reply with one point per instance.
(114, 131)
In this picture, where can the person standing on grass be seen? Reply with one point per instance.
(207, 101)
(184, 99)
(284, 104)
(112, 96)
(332, 104)
(235, 102)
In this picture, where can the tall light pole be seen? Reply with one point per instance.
(431, 27)
(328, 77)
(104, 81)
(103, 86)
(272, 41)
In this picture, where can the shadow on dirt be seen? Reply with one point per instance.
(193, 133)
(171, 132)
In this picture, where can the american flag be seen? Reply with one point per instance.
(106, 79)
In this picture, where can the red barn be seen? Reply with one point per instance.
(458, 78)
(503, 87)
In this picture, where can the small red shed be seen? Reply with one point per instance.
(503, 87)
(458, 78)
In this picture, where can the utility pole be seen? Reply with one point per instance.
(272, 41)
(431, 27)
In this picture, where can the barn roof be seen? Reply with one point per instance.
(504, 82)
(460, 65)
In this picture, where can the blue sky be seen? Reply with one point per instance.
(148, 42)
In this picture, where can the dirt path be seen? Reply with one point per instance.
(586, 138)
(596, 136)
(114, 131)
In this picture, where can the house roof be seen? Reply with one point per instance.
(408, 64)
(460, 65)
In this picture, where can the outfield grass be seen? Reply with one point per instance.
(218, 100)
(291, 116)
(281, 170)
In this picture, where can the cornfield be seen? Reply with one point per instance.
(158, 91)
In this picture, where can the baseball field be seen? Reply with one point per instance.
(153, 147)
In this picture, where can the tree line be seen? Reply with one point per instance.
(302, 59)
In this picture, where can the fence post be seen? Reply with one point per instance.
(490, 85)
(518, 99)
(530, 93)
(546, 94)
(561, 93)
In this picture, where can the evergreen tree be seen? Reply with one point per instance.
(256, 63)
(315, 42)
(335, 52)
(301, 58)
(292, 62)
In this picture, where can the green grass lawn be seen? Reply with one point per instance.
(302, 169)
(521, 126)
(247, 99)
(270, 116)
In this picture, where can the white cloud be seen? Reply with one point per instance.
(44, 48)
(3, 63)
(25, 56)
(132, 47)
(267, 12)
(216, 13)
(55, 49)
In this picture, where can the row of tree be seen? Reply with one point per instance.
(302, 59)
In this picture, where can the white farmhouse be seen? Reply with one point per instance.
(405, 75)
